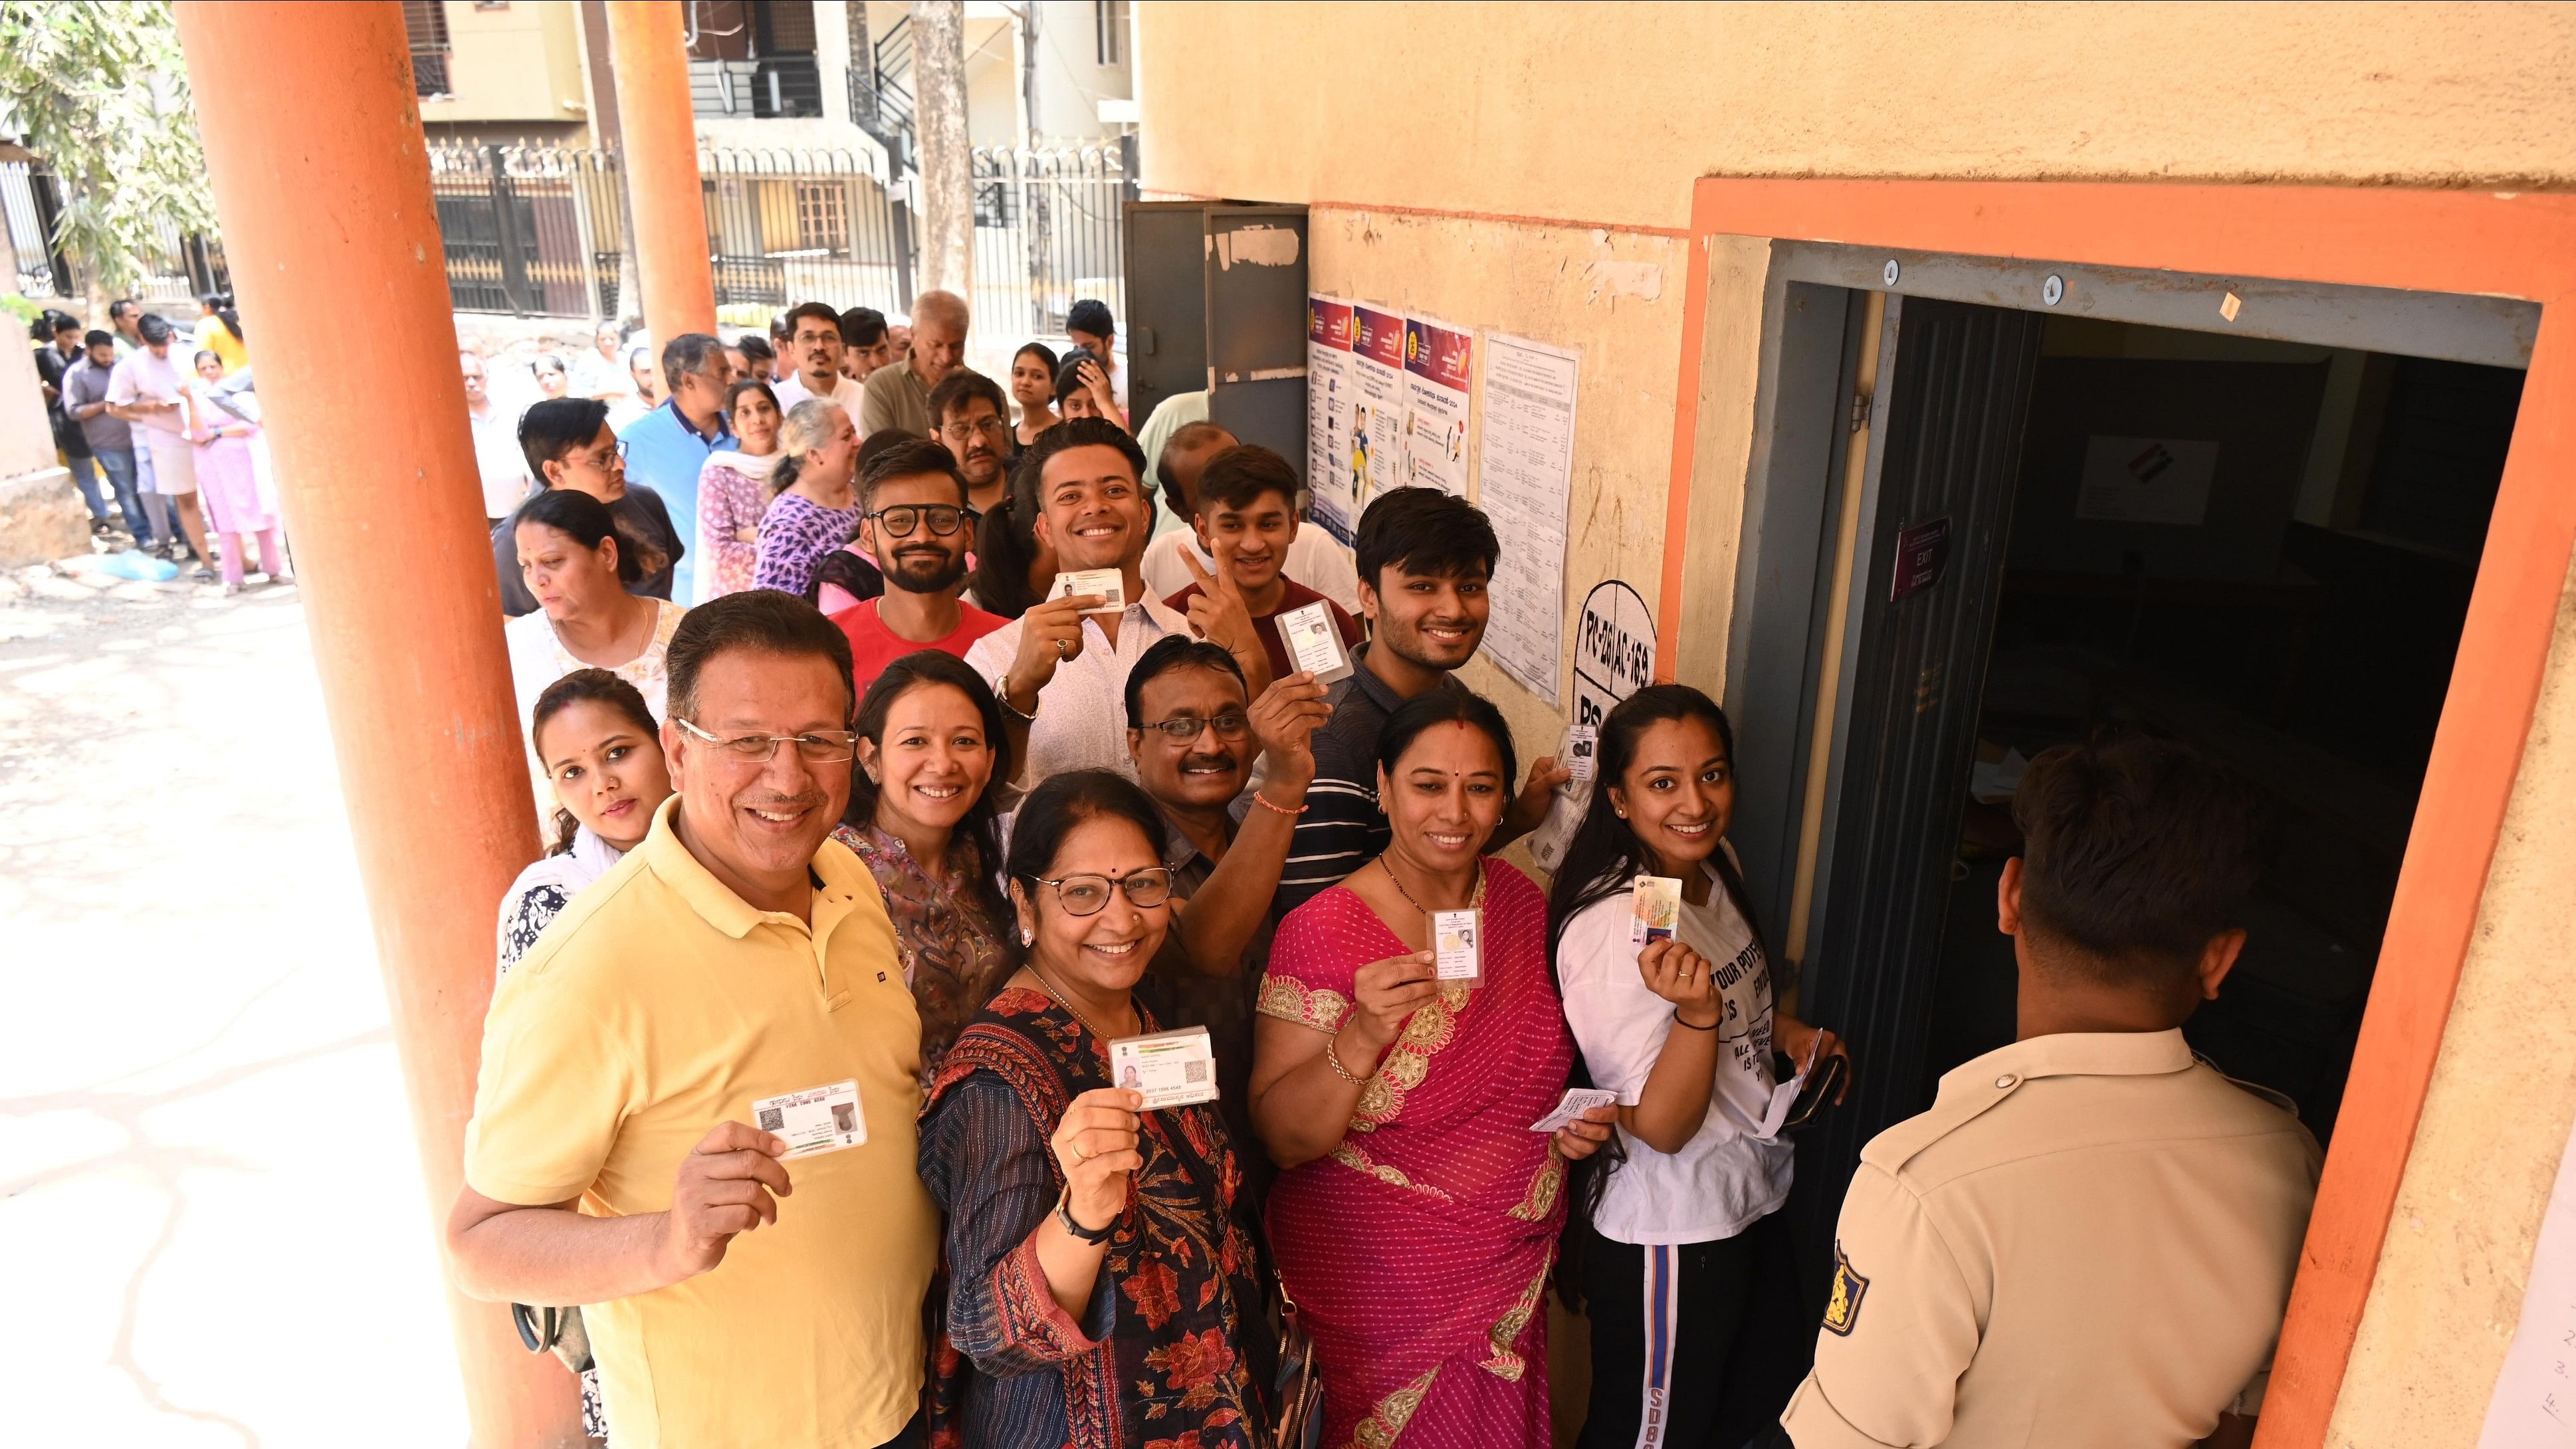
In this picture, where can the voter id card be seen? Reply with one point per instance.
(1109, 584)
(1314, 645)
(1578, 1100)
(1172, 1068)
(1458, 945)
(1582, 747)
(1655, 907)
(818, 1119)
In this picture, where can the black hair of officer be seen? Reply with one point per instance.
(2127, 904)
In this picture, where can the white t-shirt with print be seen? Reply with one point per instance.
(1726, 1177)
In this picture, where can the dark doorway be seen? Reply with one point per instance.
(2264, 550)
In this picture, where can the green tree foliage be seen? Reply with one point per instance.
(99, 90)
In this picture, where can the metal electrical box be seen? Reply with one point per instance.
(1216, 301)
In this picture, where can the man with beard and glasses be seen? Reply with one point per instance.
(914, 522)
(975, 423)
(1425, 557)
(625, 1152)
(1195, 740)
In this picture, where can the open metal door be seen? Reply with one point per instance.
(1256, 311)
(1167, 320)
(1925, 584)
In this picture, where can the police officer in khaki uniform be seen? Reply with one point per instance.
(2089, 1239)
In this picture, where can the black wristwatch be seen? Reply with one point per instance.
(1064, 1215)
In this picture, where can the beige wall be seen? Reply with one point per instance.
(1604, 113)
(522, 63)
(1509, 277)
(1481, 164)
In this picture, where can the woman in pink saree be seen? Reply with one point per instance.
(1417, 1218)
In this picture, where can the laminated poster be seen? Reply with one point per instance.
(1377, 405)
(1436, 366)
(1332, 476)
(2533, 1405)
(1524, 470)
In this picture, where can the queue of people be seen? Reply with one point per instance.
(799, 1078)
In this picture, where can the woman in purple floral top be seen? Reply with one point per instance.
(812, 508)
(733, 491)
(930, 740)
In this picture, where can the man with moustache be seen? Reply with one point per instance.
(914, 523)
(976, 426)
(1061, 672)
(736, 956)
(814, 342)
(1425, 557)
(1194, 740)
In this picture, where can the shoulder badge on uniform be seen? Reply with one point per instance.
(1842, 1310)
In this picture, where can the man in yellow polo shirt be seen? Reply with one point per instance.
(735, 1296)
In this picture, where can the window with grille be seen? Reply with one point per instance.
(823, 217)
(425, 25)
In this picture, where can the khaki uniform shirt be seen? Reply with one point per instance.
(2088, 1241)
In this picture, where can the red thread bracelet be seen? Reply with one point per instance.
(1263, 801)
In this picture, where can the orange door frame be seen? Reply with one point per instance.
(2505, 244)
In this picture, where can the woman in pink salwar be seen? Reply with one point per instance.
(1417, 1218)
(228, 482)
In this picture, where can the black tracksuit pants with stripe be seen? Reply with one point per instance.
(1694, 1345)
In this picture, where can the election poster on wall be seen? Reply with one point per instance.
(1437, 363)
(1377, 404)
(1524, 472)
(1333, 468)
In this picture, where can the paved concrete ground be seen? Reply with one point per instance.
(211, 1223)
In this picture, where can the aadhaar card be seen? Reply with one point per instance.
(1314, 645)
(1458, 945)
(1172, 1068)
(1109, 584)
(818, 1119)
(1657, 906)
(1578, 1100)
(1582, 746)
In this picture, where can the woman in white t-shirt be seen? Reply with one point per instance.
(1697, 1331)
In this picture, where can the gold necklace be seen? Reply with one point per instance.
(1060, 999)
(1475, 898)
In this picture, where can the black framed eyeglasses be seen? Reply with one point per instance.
(1181, 729)
(960, 432)
(900, 520)
(815, 747)
(1087, 894)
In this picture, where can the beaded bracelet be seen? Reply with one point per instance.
(1264, 802)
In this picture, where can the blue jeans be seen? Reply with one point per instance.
(118, 464)
(86, 479)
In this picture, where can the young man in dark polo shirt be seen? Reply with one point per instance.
(1424, 559)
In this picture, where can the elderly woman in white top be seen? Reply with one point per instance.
(577, 566)
(1683, 1030)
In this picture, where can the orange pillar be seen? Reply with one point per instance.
(660, 138)
(327, 217)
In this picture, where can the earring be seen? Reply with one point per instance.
(1028, 937)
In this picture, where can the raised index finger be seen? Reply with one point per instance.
(1198, 575)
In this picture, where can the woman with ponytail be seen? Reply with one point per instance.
(579, 565)
(1685, 1233)
(812, 507)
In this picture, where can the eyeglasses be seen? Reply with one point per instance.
(1086, 895)
(960, 432)
(602, 459)
(898, 521)
(1181, 729)
(819, 747)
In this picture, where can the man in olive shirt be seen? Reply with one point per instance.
(617, 1159)
(898, 394)
(2089, 1239)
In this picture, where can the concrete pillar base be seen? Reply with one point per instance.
(42, 518)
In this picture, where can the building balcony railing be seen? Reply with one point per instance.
(770, 87)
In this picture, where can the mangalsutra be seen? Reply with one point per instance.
(1475, 898)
